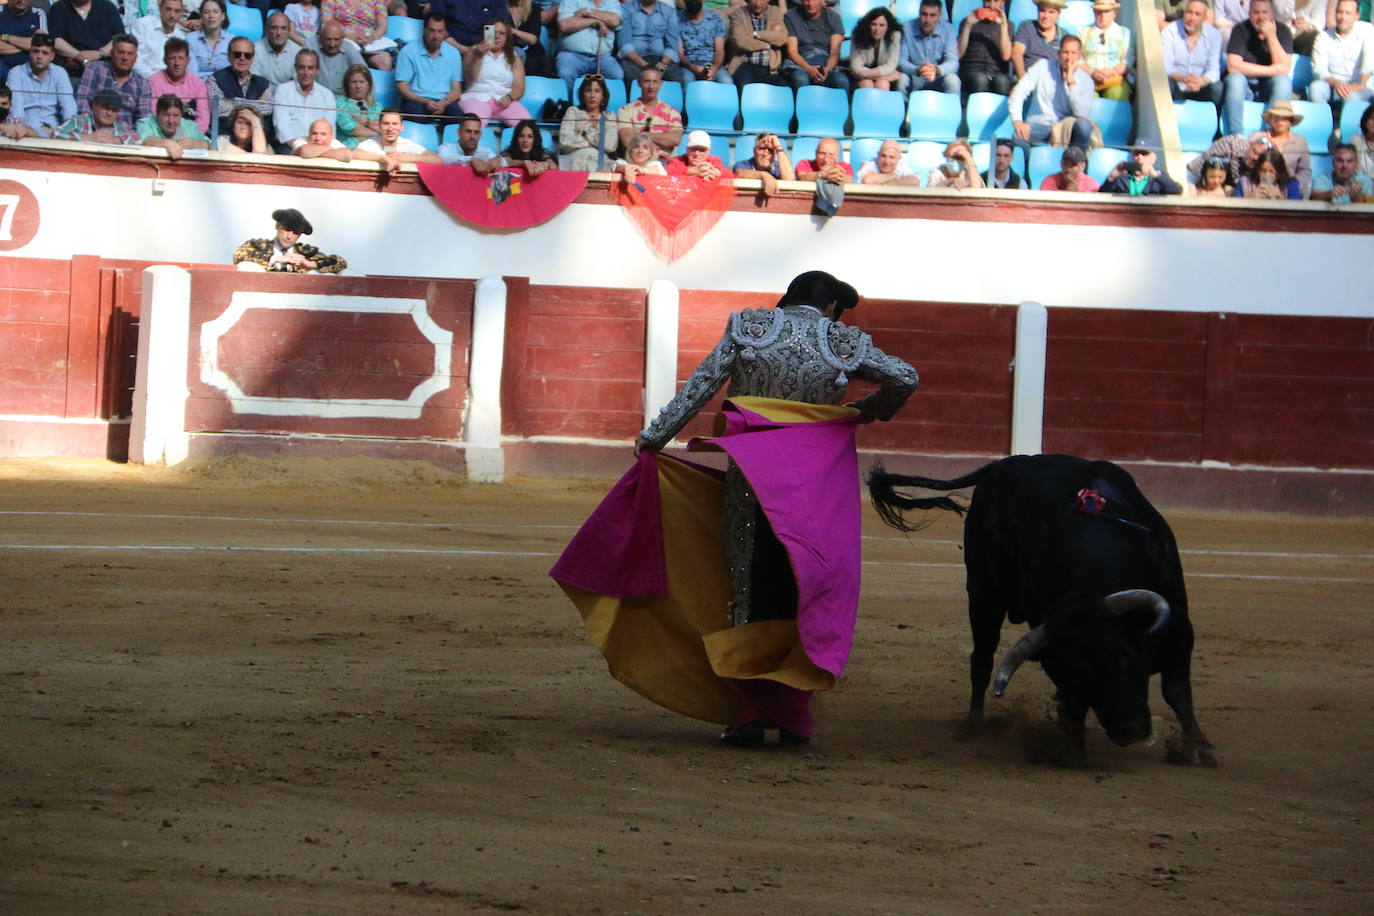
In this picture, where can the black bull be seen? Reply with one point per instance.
(1099, 584)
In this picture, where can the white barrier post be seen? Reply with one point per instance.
(660, 348)
(1028, 379)
(157, 433)
(485, 460)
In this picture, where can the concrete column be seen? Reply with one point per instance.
(157, 433)
(660, 348)
(1028, 379)
(485, 460)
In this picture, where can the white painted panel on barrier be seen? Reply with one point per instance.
(660, 347)
(157, 433)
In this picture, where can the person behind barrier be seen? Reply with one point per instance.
(42, 93)
(651, 114)
(1192, 55)
(468, 150)
(1138, 176)
(827, 166)
(390, 148)
(117, 73)
(1000, 175)
(297, 103)
(1344, 185)
(100, 124)
(286, 253)
(336, 56)
(275, 57)
(1072, 174)
(1060, 91)
(888, 166)
(170, 130)
(152, 32)
(10, 126)
(985, 49)
(698, 160)
(429, 75)
(178, 80)
(320, 143)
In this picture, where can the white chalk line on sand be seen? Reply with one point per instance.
(441, 525)
(464, 552)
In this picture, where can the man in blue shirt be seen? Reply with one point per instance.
(429, 74)
(43, 96)
(649, 38)
(588, 29)
(1192, 55)
(930, 50)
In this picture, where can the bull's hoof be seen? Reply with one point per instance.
(1195, 756)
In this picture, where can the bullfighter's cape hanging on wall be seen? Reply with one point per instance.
(516, 202)
(673, 213)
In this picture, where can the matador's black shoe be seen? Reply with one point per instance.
(746, 734)
(786, 738)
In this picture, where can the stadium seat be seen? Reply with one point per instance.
(1021, 10)
(550, 140)
(245, 21)
(1316, 124)
(1044, 161)
(961, 10)
(1250, 121)
(402, 29)
(743, 148)
(424, 134)
(384, 88)
(1197, 123)
(821, 111)
(670, 93)
(1301, 73)
(925, 155)
(1076, 15)
(711, 106)
(854, 8)
(1321, 165)
(1351, 113)
(804, 148)
(987, 116)
(877, 113)
(1115, 119)
(766, 108)
(847, 22)
(906, 10)
(982, 158)
(934, 115)
(538, 90)
(1103, 160)
(619, 96)
(862, 150)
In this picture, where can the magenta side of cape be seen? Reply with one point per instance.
(806, 478)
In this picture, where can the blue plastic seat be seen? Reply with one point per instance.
(1115, 119)
(384, 88)
(987, 115)
(743, 148)
(935, 115)
(924, 155)
(711, 106)
(1321, 165)
(1351, 113)
(538, 90)
(1020, 11)
(1078, 14)
(1044, 162)
(1197, 123)
(907, 10)
(424, 134)
(403, 29)
(1301, 72)
(1251, 121)
(245, 21)
(862, 150)
(766, 108)
(670, 93)
(804, 148)
(961, 10)
(822, 111)
(1102, 160)
(877, 113)
(619, 96)
(1316, 123)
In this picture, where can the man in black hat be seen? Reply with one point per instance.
(100, 124)
(286, 253)
(1138, 176)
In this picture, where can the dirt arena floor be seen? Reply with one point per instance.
(350, 687)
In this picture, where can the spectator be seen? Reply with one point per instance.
(525, 17)
(84, 31)
(1167, 11)
(391, 149)
(526, 150)
(985, 49)
(236, 85)
(1259, 57)
(756, 40)
(320, 143)
(1052, 87)
(181, 82)
(641, 158)
(495, 79)
(152, 32)
(1192, 55)
(1072, 175)
(1281, 118)
(889, 166)
(117, 73)
(209, 44)
(875, 51)
(649, 39)
(1236, 150)
(1214, 180)
(1343, 60)
(769, 163)
(1037, 39)
(1000, 174)
(587, 44)
(1304, 18)
(300, 102)
(957, 171)
(827, 166)
(246, 133)
(10, 126)
(336, 56)
(1107, 53)
(364, 21)
(305, 17)
(1268, 179)
(586, 128)
(464, 19)
(468, 150)
(275, 56)
(697, 161)
(42, 93)
(429, 74)
(930, 50)
(1226, 15)
(19, 22)
(702, 51)
(170, 130)
(101, 124)
(358, 114)
(812, 52)
(287, 253)
(1138, 176)
(648, 113)
(1344, 185)
(1364, 141)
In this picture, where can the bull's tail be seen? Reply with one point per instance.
(892, 507)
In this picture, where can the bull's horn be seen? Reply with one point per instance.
(1139, 599)
(1034, 641)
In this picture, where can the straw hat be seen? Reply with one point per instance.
(1283, 109)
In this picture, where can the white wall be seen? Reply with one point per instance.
(406, 234)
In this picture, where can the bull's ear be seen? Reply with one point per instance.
(1148, 605)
